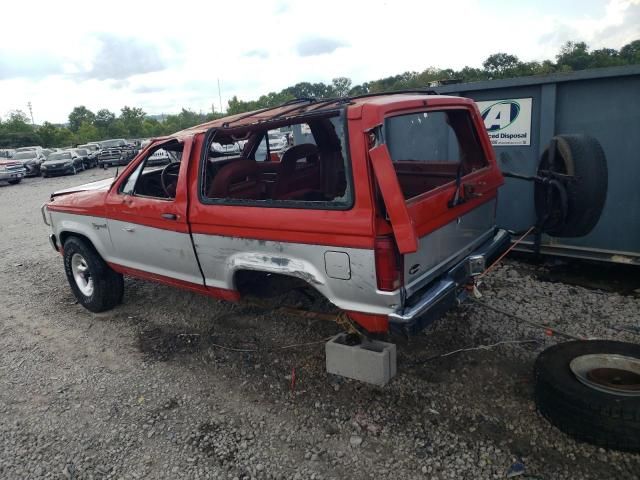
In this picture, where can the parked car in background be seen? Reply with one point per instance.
(31, 160)
(62, 163)
(159, 157)
(47, 151)
(85, 156)
(277, 142)
(94, 150)
(115, 152)
(11, 171)
(26, 149)
(7, 153)
(225, 149)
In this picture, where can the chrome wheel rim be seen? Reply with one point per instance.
(82, 274)
(608, 373)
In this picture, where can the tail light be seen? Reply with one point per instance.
(388, 264)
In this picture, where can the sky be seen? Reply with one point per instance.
(163, 56)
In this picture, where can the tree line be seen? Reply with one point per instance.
(132, 122)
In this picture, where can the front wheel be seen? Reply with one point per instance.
(96, 286)
(15, 182)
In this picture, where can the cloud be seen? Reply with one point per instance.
(311, 46)
(257, 53)
(624, 32)
(281, 7)
(148, 89)
(34, 65)
(122, 57)
(616, 26)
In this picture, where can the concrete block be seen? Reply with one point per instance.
(370, 361)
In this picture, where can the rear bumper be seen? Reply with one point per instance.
(432, 301)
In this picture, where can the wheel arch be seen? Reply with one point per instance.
(92, 230)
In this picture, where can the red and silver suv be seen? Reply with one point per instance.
(385, 204)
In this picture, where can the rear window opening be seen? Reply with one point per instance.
(429, 149)
(302, 164)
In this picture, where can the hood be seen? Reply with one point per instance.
(57, 162)
(10, 163)
(87, 187)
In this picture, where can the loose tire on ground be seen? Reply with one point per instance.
(108, 285)
(582, 157)
(606, 419)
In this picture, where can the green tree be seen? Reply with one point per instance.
(341, 86)
(605, 57)
(64, 137)
(104, 119)
(87, 133)
(55, 136)
(132, 118)
(630, 53)
(499, 65)
(574, 55)
(17, 121)
(117, 129)
(80, 115)
(152, 128)
(48, 133)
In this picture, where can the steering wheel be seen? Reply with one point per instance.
(169, 171)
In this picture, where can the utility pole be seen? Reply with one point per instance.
(219, 96)
(30, 112)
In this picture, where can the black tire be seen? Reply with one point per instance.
(108, 285)
(605, 419)
(582, 157)
(15, 182)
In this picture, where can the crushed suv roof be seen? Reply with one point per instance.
(298, 107)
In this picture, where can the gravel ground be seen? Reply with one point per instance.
(146, 391)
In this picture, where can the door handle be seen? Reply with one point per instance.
(169, 216)
(128, 228)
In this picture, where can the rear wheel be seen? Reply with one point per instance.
(96, 286)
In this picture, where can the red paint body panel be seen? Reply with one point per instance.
(430, 210)
(221, 293)
(401, 223)
(371, 323)
(149, 211)
(346, 228)
(81, 203)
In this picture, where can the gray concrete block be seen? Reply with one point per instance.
(370, 361)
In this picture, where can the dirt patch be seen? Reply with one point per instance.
(162, 345)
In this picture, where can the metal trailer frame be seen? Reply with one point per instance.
(604, 103)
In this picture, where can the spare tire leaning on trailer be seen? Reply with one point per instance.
(591, 391)
(570, 204)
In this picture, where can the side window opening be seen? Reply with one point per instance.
(429, 148)
(303, 164)
(157, 175)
